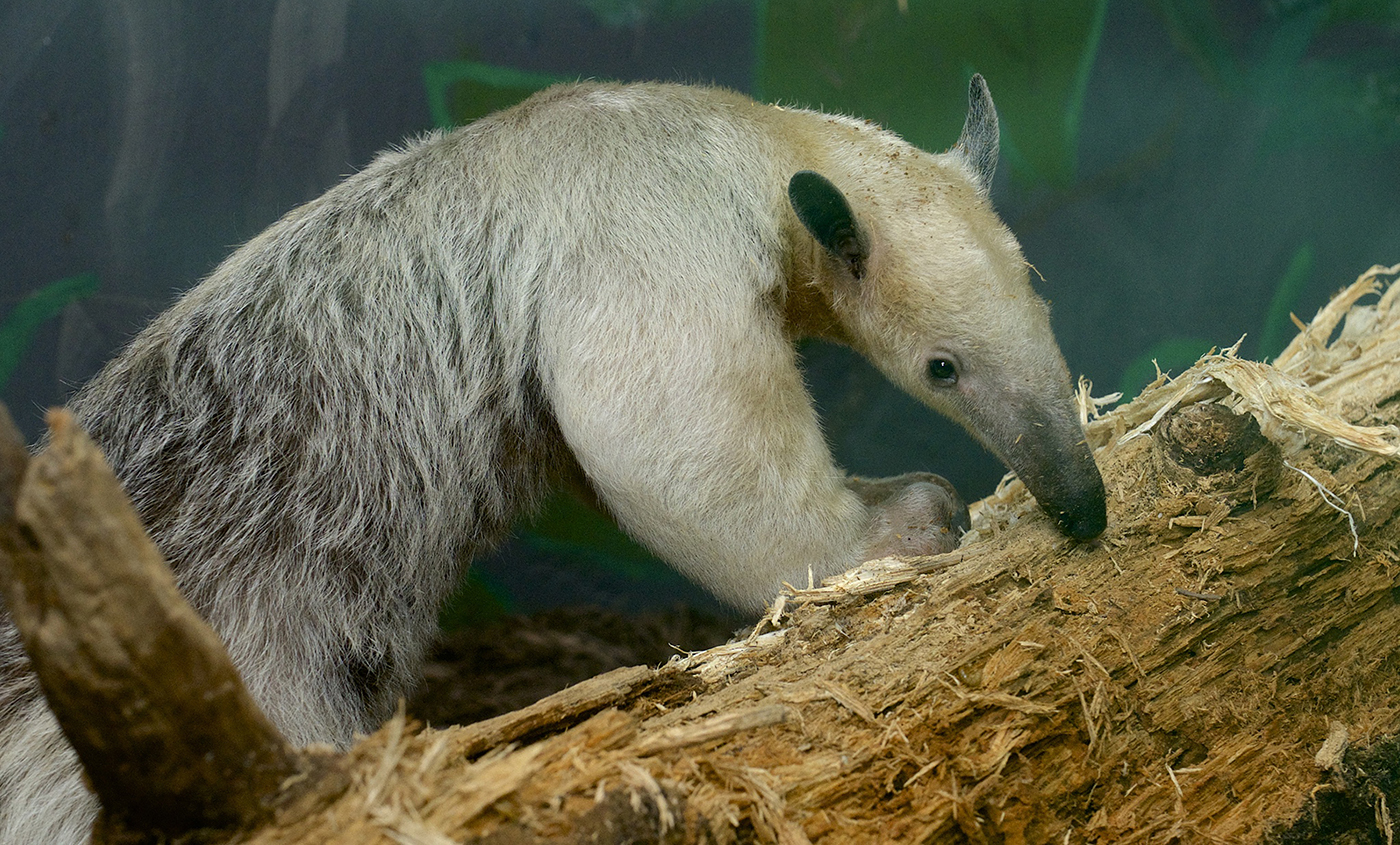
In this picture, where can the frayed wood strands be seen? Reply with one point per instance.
(1171, 682)
(912, 706)
(1276, 399)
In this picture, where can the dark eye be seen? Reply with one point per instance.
(942, 371)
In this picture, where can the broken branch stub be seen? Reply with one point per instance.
(1208, 438)
(169, 737)
(1221, 453)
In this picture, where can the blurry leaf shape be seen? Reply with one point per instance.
(478, 599)
(569, 528)
(574, 536)
(1174, 354)
(1278, 328)
(1342, 11)
(1306, 99)
(621, 13)
(460, 92)
(909, 69)
(1197, 32)
(1377, 102)
(1075, 110)
(1326, 101)
(17, 331)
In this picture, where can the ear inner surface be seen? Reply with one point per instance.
(823, 210)
(981, 139)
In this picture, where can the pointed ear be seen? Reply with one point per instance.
(981, 140)
(823, 209)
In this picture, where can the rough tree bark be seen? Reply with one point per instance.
(1221, 666)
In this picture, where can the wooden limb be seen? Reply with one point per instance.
(167, 733)
(549, 713)
(1222, 657)
(1220, 666)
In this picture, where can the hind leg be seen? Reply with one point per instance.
(42, 797)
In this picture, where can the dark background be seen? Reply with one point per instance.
(1180, 172)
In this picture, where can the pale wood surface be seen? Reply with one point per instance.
(1218, 659)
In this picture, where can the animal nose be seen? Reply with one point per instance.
(1084, 517)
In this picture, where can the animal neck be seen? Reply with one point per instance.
(806, 302)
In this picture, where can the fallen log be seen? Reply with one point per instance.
(1221, 666)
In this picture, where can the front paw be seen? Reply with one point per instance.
(913, 514)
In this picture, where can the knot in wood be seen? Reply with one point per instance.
(1208, 450)
(1209, 439)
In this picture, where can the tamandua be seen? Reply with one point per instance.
(603, 283)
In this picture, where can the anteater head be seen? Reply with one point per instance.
(916, 271)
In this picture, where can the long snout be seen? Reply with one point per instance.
(1051, 457)
(1069, 489)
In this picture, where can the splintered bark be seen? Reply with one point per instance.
(168, 735)
(1221, 666)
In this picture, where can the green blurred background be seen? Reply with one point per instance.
(1180, 172)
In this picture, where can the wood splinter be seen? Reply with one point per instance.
(169, 737)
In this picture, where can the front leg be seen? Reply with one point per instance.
(917, 513)
(696, 432)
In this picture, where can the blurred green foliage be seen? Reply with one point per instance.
(567, 525)
(460, 92)
(17, 331)
(1171, 356)
(479, 599)
(621, 13)
(906, 65)
(1310, 95)
(571, 533)
(1278, 322)
(1175, 354)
